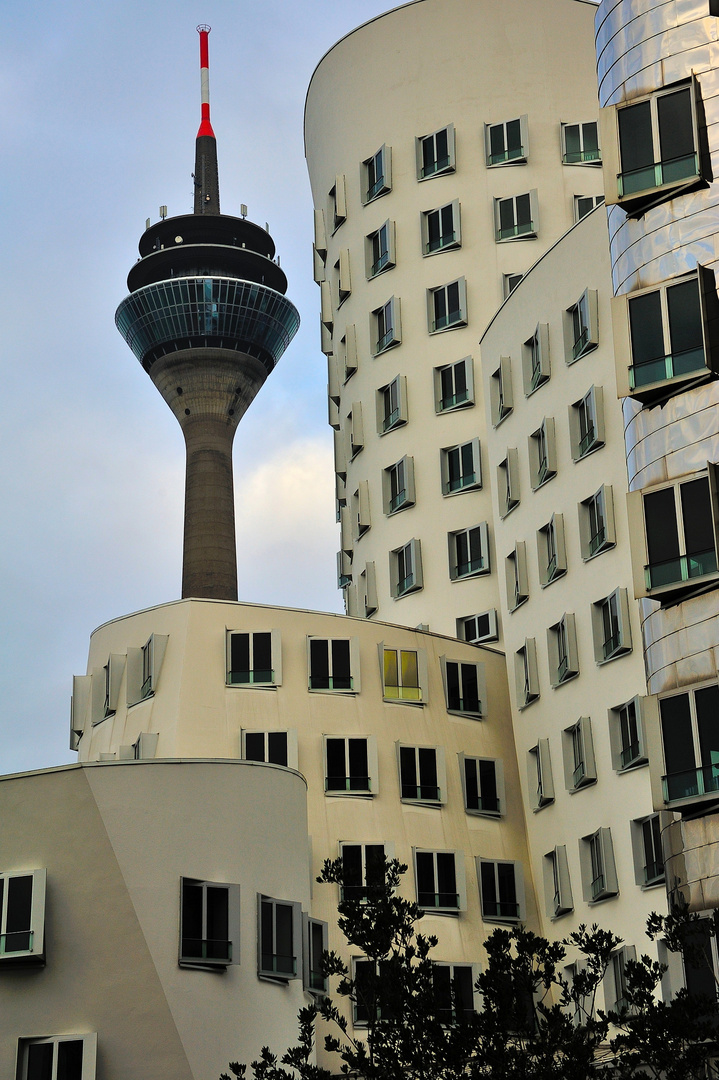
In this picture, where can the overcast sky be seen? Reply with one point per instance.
(100, 106)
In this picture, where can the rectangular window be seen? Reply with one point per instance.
(338, 202)
(580, 144)
(465, 688)
(368, 589)
(435, 153)
(557, 883)
(57, 1057)
(584, 204)
(398, 486)
(377, 174)
(421, 774)
(542, 454)
(516, 218)
(346, 360)
(647, 848)
(363, 870)
(611, 626)
(209, 924)
(440, 228)
(350, 765)
(454, 386)
(333, 664)
(500, 391)
(468, 552)
(273, 747)
(22, 918)
(437, 874)
(679, 525)
(406, 569)
(501, 892)
(344, 281)
(447, 306)
(535, 359)
(562, 651)
(507, 143)
(596, 523)
(392, 405)
(403, 674)
(315, 944)
(280, 935)
(581, 326)
(510, 283)
(477, 629)
(551, 550)
(461, 467)
(586, 423)
(541, 781)
(482, 785)
(453, 987)
(690, 740)
(361, 519)
(580, 767)
(380, 249)
(344, 569)
(253, 659)
(626, 733)
(143, 668)
(526, 675)
(508, 482)
(599, 875)
(386, 330)
(516, 576)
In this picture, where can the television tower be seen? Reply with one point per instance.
(208, 319)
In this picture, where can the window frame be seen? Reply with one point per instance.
(399, 473)
(540, 777)
(617, 604)
(425, 172)
(501, 397)
(338, 202)
(387, 318)
(551, 550)
(595, 200)
(443, 243)
(599, 875)
(516, 576)
(557, 883)
(394, 395)
(562, 651)
(581, 327)
(387, 253)
(627, 738)
(466, 396)
(354, 665)
(583, 159)
(519, 897)
(526, 674)
(536, 360)
(472, 480)
(423, 796)
(475, 535)
(649, 866)
(89, 1052)
(452, 1019)
(598, 506)
(232, 957)
(453, 319)
(580, 765)
(275, 672)
(291, 746)
(418, 694)
(586, 423)
(479, 713)
(143, 669)
(368, 585)
(519, 230)
(361, 518)
(504, 158)
(35, 953)
(508, 490)
(541, 445)
(459, 882)
(359, 892)
(373, 189)
(311, 975)
(264, 972)
(409, 554)
(496, 806)
(372, 786)
(510, 283)
(492, 633)
(615, 985)
(698, 790)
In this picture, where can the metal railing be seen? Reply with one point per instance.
(438, 899)
(683, 568)
(16, 941)
(440, 242)
(258, 675)
(690, 783)
(347, 783)
(671, 171)
(277, 964)
(331, 682)
(520, 229)
(454, 399)
(661, 368)
(587, 441)
(433, 167)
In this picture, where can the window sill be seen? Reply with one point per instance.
(520, 160)
(451, 245)
(475, 486)
(456, 325)
(533, 389)
(528, 702)
(508, 510)
(468, 714)
(602, 897)
(569, 677)
(555, 577)
(623, 650)
(606, 546)
(637, 763)
(496, 814)
(543, 482)
(588, 348)
(436, 172)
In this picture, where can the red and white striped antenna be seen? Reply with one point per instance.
(205, 125)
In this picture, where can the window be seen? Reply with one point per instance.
(611, 626)
(580, 144)
(454, 386)
(347, 355)
(406, 569)
(580, 767)
(501, 891)
(254, 659)
(368, 589)
(654, 146)
(680, 547)
(535, 359)
(315, 944)
(477, 629)
(464, 687)
(551, 550)
(586, 423)
(143, 668)
(690, 739)
(22, 917)
(326, 315)
(596, 523)
(447, 306)
(599, 876)
(661, 336)
(361, 519)
(422, 774)
(209, 924)
(542, 454)
(500, 391)
(333, 664)
(439, 876)
(482, 785)
(581, 326)
(516, 576)
(557, 883)
(507, 143)
(377, 174)
(441, 229)
(626, 733)
(57, 1057)
(562, 651)
(516, 218)
(615, 979)
(362, 870)
(647, 848)
(468, 552)
(386, 328)
(351, 765)
(435, 153)
(344, 569)
(398, 486)
(273, 747)
(392, 405)
(106, 688)
(338, 203)
(584, 204)
(526, 676)
(453, 986)
(701, 963)
(541, 782)
(380, 250)
(404, 674)
(508, 483)
(461, 467)
(344, 280)
(510, 283)
(280, 934)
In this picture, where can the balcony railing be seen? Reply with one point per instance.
(661, 368)
(672, 171)
(450, 319)
(510, 154)
(390, 419)
(691, 783)
(587, 441)
(456, 483)
(521, 228)
(629, 754)
(403, 693)
(421, 792)
(683, 568)
(598, 886)
(385, 340)
(209, 949)
(454, 399)
(436, 166)
(578, 775)
(16, 941)
(438, 899)
(331, 682)
(578, 157)
(504, 909)
(654, 871)
(375, 188)
(473, 566)
(258, 675)
(277, 964)
(580, 344)
(439, 242)
(347, 783)
(394, 504)
(596, 541)
(380, 263)
(611, 644)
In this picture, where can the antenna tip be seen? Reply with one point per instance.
(203, 28)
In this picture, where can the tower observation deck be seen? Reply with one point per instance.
(208, 319)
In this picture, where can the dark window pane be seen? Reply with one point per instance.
(442, 148)
(496, 141)
(489, 888)
(635, 137)
(470, 782)
(453, 692)
(374, 864)
(514, 139)
(446, 880)
(470, 686)
(351, 867)
(428, 773)
(661, 526)
(359, 768)
(645, 320)
(408, 772)
(524, 212)
(39, 1061)
(240, 656)
(217, 930)
(697, 515)
(507, 889)
(191, 919)
(685, 320)
(69, 1060)
(277, 747)
(707, 706)
(488, 785)
(255, 746)
(676, 134)
(283, 939)
(19, 906)
(262, 656)
(319, 664)
(506, 214)
(679, 757)
(425, 877)
(463, 991)
(442, 988)
(341, 679)
(336, 768)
